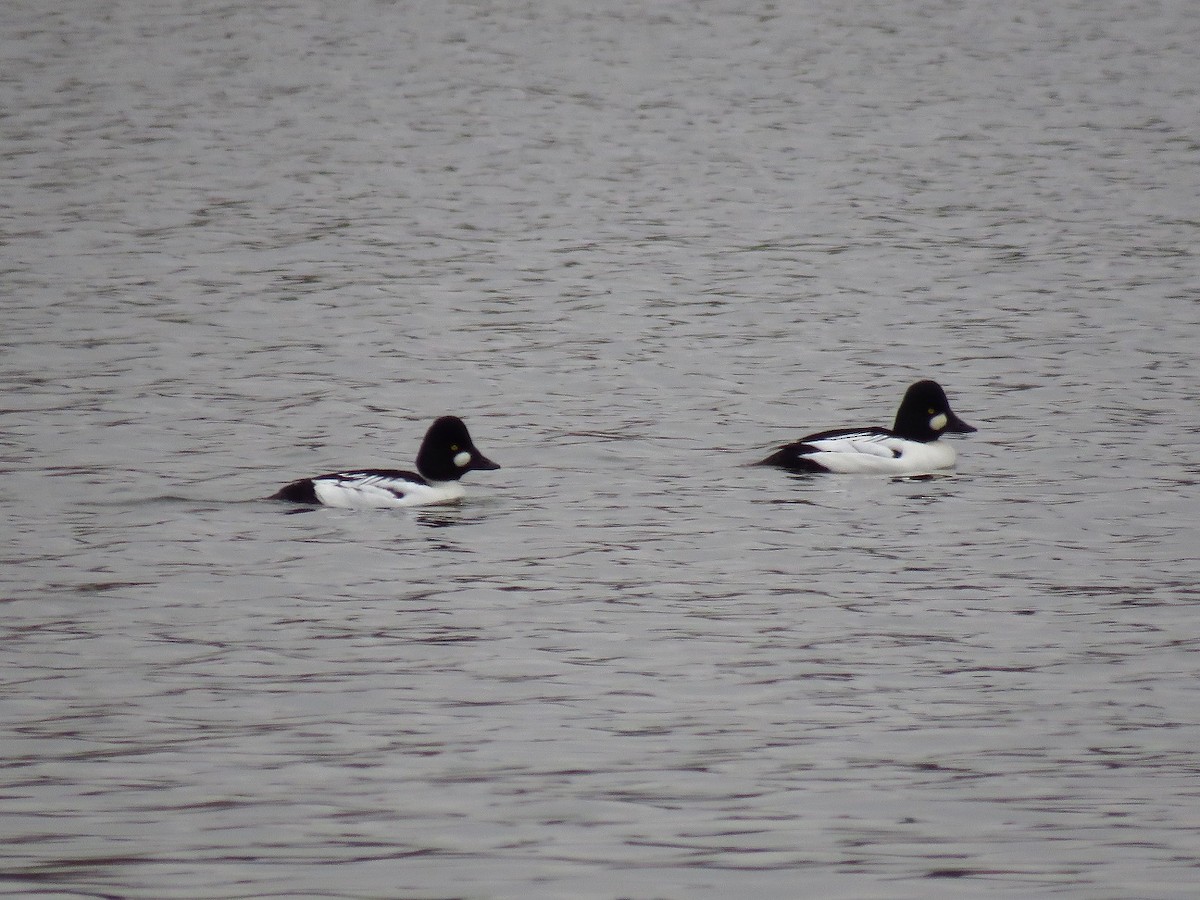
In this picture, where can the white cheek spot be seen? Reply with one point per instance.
(462, 458)
(938, 422)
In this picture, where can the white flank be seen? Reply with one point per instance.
(372, 492)
(864, 454)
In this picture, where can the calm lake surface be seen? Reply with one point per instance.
(635, 246)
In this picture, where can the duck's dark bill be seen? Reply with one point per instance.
(958, 426)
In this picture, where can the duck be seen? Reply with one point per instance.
(447, 453)
(909, 447)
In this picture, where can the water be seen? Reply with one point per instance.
(635, 247)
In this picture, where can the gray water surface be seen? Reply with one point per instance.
(635, 246)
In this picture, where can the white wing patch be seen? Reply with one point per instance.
(865, 443)
(361, 491)
(884, 454)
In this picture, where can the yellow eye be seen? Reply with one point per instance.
(932, 410)
(454, 447)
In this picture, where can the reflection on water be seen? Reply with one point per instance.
(636, 248)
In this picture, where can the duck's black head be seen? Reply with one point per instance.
(925, 414)
(448, 453)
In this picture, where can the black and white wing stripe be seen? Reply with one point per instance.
(364, 487)
(867, 441)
